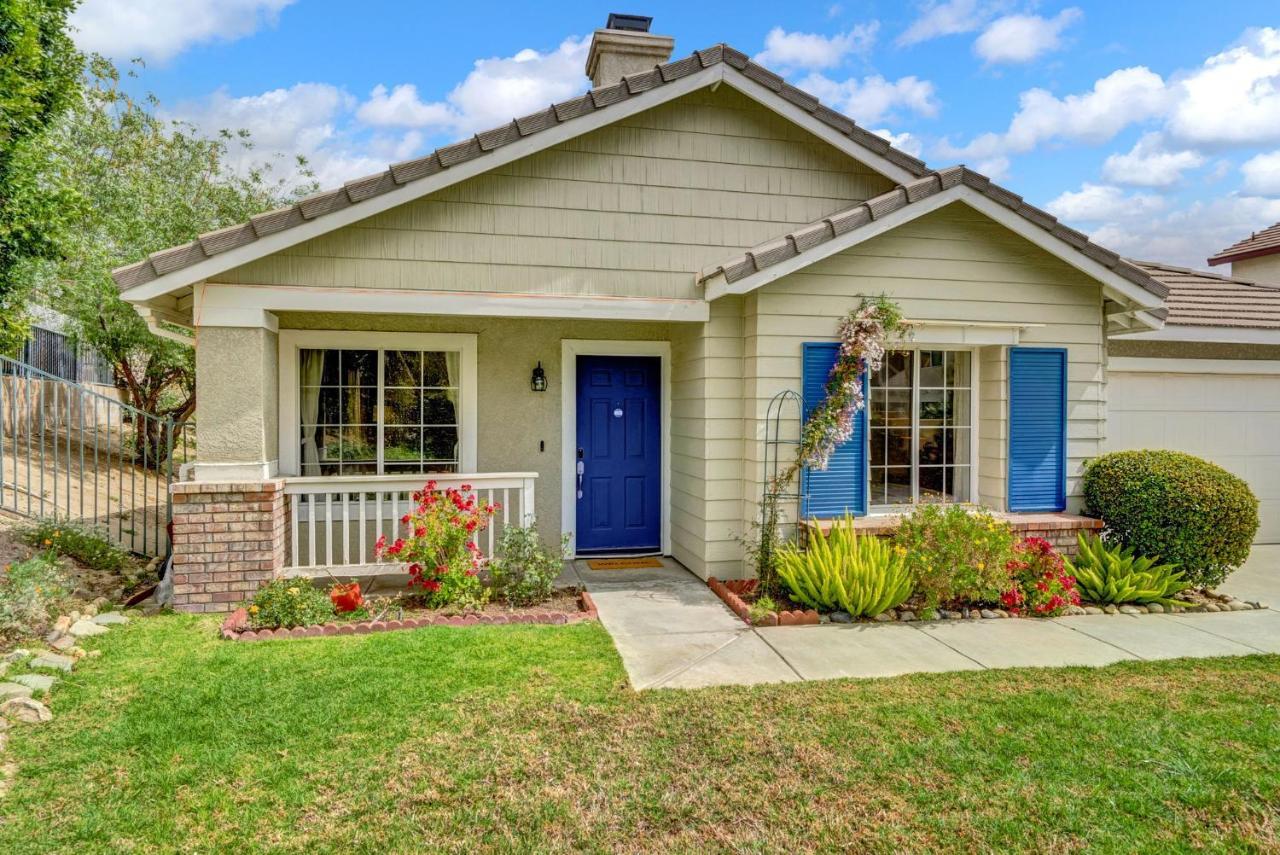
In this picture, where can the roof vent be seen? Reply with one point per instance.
(625, 46)
(635, 23)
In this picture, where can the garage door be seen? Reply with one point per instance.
(1231, 419)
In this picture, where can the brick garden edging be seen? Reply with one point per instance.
(236, 626)
(731, 592)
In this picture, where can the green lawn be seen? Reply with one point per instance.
(527, 738)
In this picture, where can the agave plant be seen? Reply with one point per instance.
(1107, 573)
(864, 576)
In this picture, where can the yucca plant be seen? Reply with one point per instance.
(1107, 573)
(864, 576)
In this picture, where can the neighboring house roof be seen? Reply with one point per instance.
(1201, 299)
(812, 239)
(353, 193)
(1264, 242)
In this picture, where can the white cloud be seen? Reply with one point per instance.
(1150, 164)
(1262, 174)
(949, 18)
(1094, 203)
(1234, 97)
(401, 107)
(784, 50)
(904, 141)
(1116, 101)
(871, 99)
(161, 29)
(497, 90)
(1022, 38)
(996, 168)
(1188, 235)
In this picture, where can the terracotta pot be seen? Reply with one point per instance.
(346, 598)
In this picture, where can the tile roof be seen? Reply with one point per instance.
(817, 233)
(1208, 300)
(1264, 242)
(399, 174)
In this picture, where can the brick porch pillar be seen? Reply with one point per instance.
(228, 538)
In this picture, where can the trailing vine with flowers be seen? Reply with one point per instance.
(439, 546)
(864, 335)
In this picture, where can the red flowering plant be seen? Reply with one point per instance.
(1041, 586)
(439, 545)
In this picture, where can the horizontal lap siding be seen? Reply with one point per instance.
(633, 209)
(952, 265)
(706, 442)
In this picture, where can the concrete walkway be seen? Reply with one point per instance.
(672, 632)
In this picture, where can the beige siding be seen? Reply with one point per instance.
(706, 453)
(634, 209)
(952, 265)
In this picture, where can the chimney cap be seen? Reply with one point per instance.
(622, 21)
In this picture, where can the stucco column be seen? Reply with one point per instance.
(237, 378)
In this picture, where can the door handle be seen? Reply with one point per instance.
(582, 468)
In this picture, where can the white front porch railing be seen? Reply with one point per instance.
(334, 522)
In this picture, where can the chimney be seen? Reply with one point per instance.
(624, 47)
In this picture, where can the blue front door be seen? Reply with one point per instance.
(619, 454)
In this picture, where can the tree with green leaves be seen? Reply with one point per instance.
(146, 184)
(40, 71)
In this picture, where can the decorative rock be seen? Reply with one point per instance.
(1111, 610)
(952, 615)
(1092, 610)
(1130, 610)
(90, 610)
(906, 615)
(841, 617)
(1210, 607)
(53, 661)
(110, 619)
(1155, 608)
(62, 624)
(988, 614)
(1001, 613)
(25, 709)
(84, 628)
(1237, 606)
(63, 643)
(14, 690)
(883, 617)
(975, 614)
(36, 682)
(17, 655)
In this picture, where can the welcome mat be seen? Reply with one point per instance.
(624, 564)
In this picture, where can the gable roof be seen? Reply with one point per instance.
(817, 240)
(319, 210)
(1208, 300)
(1264, 242)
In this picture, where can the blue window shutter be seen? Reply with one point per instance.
(843, 484)
(1037, 429)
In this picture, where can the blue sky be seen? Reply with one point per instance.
(1155, 127)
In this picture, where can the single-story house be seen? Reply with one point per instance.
(588, 312)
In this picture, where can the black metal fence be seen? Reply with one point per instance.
(76, 453)
(56, 354)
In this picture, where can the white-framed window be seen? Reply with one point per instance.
(355, 403)
(921, 428)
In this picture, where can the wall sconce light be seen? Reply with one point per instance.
(538, 382)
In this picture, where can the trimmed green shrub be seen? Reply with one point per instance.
(1109, 573)
(525, 569)
(957, 554)
(862, 575)
(288, 603)
(1185, 510)
(88, 545)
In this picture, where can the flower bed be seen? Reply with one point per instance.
(237, 626)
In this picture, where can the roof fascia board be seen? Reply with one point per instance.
(1165, 365)
(424, 186)
(1208, 335)
(1114, 286)
(768, 98)
(215, 300)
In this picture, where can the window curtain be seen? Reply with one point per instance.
(310, 368)
(453, 367)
